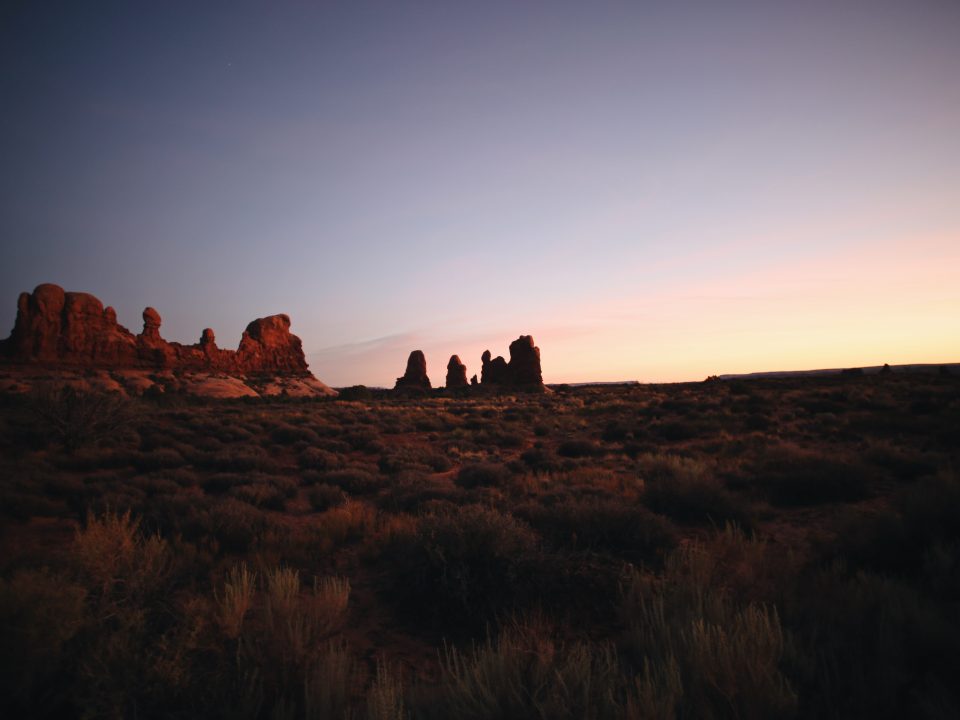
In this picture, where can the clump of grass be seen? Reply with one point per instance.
(113, 556)
(527, 673)
(328, 683)
(722, 656)
(385, 696)
(285, 652)
(236, 599)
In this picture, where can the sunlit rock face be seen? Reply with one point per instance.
(415, 378)
(72, 330)
(58, 327)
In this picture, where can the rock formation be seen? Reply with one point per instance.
(268, 347)
(58, 329)
(456, 373)
(493, 372)
(415, 378)
(524, 365)
(523, 370)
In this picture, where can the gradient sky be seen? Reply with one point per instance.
(653, 190)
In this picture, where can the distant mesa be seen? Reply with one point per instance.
(72, 330)
(456, 373)
(415, 378)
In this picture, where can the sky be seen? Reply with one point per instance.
(656, 191)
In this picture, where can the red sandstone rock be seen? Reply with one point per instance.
(415, 378)
(267, 346)
(456, 373)
(151, 326)
(60, 328)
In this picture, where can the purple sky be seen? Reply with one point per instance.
(654, 191)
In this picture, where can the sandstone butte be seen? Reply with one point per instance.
(522, 372)
(415, 378)
(456, 373)
(74, 336)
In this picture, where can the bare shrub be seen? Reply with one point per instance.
(79, 418)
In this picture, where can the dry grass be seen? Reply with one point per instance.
(742, 549)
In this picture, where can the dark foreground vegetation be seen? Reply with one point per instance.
(741, 549)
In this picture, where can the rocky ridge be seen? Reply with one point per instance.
(73, 333)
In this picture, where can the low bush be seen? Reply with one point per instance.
(316, 459)
(461, 566)
(286, 434)
(528, 673)
(236, 524)
(540, 460)
(794, 477)
(482, 475)
(323, 497)
(354, 481)
(609, 525)
(355, 393)
(575, 448)
(687, 491)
